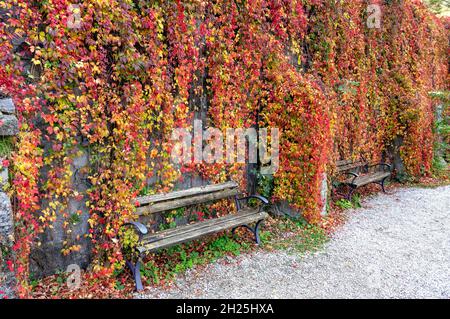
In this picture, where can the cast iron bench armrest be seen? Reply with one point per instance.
(141, 228)
(355, 176)
(258, 197)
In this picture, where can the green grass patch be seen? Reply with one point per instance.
(6, 146)
(294, 235)
(349, 204)
(178, 259)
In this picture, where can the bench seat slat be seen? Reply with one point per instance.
(197, 225)
(349, 166)
(195, 231)
(186, 201)
(343, 162)
(369, 178)
(145, 200)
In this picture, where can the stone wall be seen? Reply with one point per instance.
(8, 127)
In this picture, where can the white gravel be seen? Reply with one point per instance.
(396, 246)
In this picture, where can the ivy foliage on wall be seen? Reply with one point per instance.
(114, 86)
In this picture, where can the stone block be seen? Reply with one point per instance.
(6, 222)
(7, 281)
(9, 125)
(7, 106)
(4, 178)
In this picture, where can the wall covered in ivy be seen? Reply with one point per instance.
(100, 86)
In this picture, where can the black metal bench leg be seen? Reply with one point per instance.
(136, 272)
(254, 230)
(350, 193)
(382, 185)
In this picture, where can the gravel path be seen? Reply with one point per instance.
(396, 246)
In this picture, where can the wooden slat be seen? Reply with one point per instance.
(144, 200)
(370, 178)
(198, 233)
(350, 166)
(198, 225)
(343, 162)
(185, 201)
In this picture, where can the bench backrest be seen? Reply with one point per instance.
(192, 196)
(346, 165)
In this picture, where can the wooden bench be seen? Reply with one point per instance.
(163, 203)
(361, 173)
